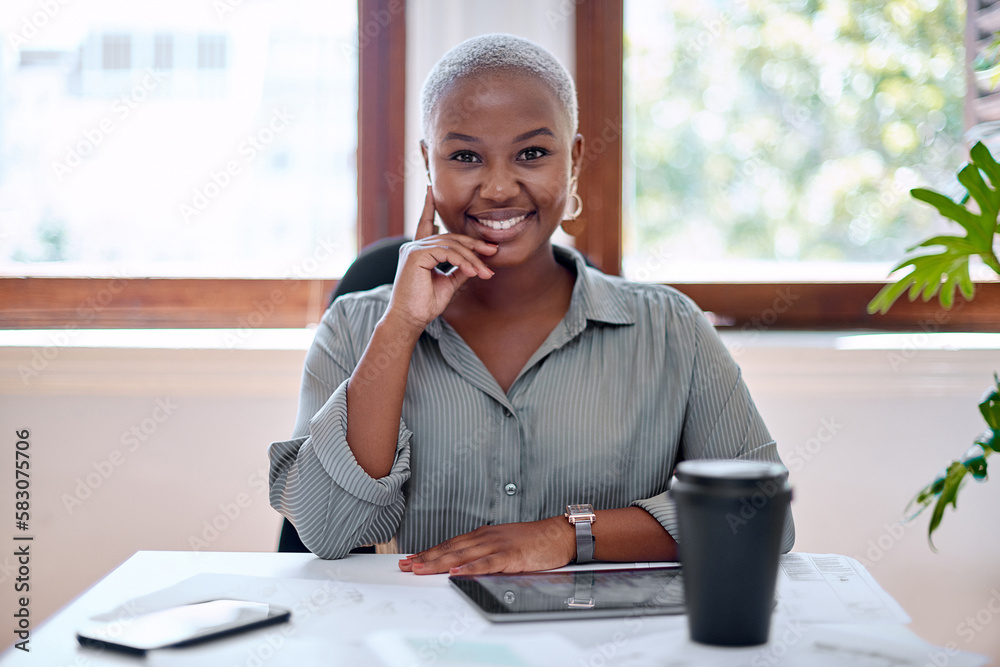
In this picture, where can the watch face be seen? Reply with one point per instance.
(580, 513)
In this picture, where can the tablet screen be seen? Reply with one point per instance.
(574, 594)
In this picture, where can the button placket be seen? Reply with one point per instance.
(510, 465)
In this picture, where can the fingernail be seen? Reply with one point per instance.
(404, 561)
(454, 570)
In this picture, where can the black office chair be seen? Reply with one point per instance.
(374, 266)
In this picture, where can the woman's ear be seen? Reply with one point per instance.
(427, 162)
(577, 154)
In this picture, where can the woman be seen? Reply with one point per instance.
(461, 412)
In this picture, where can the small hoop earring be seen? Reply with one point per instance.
(577, 208)
(571, 224)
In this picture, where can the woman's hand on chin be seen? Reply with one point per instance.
(508, 547)
(420, 291)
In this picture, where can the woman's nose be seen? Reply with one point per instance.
(499, 184)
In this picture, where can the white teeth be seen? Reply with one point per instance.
(501, 224)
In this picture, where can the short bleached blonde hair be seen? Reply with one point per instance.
(497, 52)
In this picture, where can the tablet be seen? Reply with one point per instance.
(539, 596)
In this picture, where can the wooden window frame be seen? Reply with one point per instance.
(77, 303)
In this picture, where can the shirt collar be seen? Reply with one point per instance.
(595, 297)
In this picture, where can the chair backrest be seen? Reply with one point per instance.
(374, 266)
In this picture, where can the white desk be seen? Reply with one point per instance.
(332, 631)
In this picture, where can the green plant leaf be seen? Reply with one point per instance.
(990, 405)
(946, 271)
(887, 296)
(948, 208)
(925, 496)
(949, 496)
(972, 179)
(974, 461)
(955, 243)
(982, 158)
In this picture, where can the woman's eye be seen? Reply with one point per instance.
(533, 153)
(465, 156)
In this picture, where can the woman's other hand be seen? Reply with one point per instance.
(508, 547)
(420, 291)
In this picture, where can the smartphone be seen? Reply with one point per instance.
(182, 625)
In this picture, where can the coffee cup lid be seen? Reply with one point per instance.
(723, 471)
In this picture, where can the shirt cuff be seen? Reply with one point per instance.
(663, 509)
(328, 431)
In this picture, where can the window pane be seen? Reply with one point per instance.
(780, 139)
(178, 138)
(211, 51)
(117, 53)
(163, 56)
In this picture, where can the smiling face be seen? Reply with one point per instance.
(501, 152)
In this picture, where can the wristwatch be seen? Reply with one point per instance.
(581, 517)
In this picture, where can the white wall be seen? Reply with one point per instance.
(861, 430)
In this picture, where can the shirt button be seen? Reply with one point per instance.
(510, 489)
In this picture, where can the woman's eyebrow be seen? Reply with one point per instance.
(455, 136)
(533, 133)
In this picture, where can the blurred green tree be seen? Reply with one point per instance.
(790, 130)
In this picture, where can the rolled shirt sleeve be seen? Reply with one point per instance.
(721, 422)
(315, 481)
(318, 485)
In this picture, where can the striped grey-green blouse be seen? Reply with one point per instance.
(633, 380)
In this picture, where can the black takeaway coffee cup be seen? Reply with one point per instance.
(731, 516)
